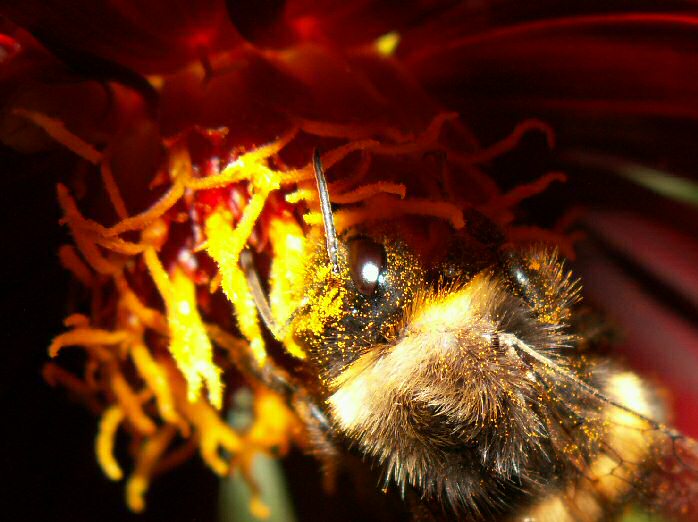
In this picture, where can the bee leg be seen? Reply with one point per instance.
(321, 444)
(316, 423)
(317, 426)
(419, 508)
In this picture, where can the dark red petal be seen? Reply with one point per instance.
(259, 21)
(146, 37)
(638, 63)
(657, 342)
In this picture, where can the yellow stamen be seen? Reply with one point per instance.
(387, 43)
(131, 404)
(302, 194)
(273, 423)
(76, 321)
(57, 130)
(156, 379)
(249, 166)
(258, 508)
(151, 318)
(86, 337)
(382, 208)
(118, 245)
(54, 375)
(113, 189)
(351, 131)
(142, 220)
(525, 191)
(104, 444)
(214, 434)
(148, 456)
(287, 268)
(83, 231)
(366, 191)
(189, 344)
(70, 260)
(225, 245)
(507, 144)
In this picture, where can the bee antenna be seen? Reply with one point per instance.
(326, 209)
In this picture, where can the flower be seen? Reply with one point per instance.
(200, 120)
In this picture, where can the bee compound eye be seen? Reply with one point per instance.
(366, 263)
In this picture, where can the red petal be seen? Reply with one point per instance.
(147, 37)
(637, 63)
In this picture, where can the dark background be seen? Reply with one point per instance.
(47, 439)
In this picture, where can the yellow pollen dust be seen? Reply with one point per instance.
(387, 43)
(287, 268)
(325, 304)
(224, 245)
(189, 344)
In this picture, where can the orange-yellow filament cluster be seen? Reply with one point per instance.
(288, 261)
(225, 245)
(155, 358)
(189, 344)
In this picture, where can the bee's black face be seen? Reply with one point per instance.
(360, 305)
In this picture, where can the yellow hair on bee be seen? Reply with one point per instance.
(614, 472)
(626, 433)
(431, 331)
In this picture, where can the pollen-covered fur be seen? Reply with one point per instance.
(447, 409)
(470, 390)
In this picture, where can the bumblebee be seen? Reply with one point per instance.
(462, 378)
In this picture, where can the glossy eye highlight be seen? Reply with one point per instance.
(366, 263)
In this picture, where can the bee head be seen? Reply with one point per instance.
(423, 374)
(356, 289)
